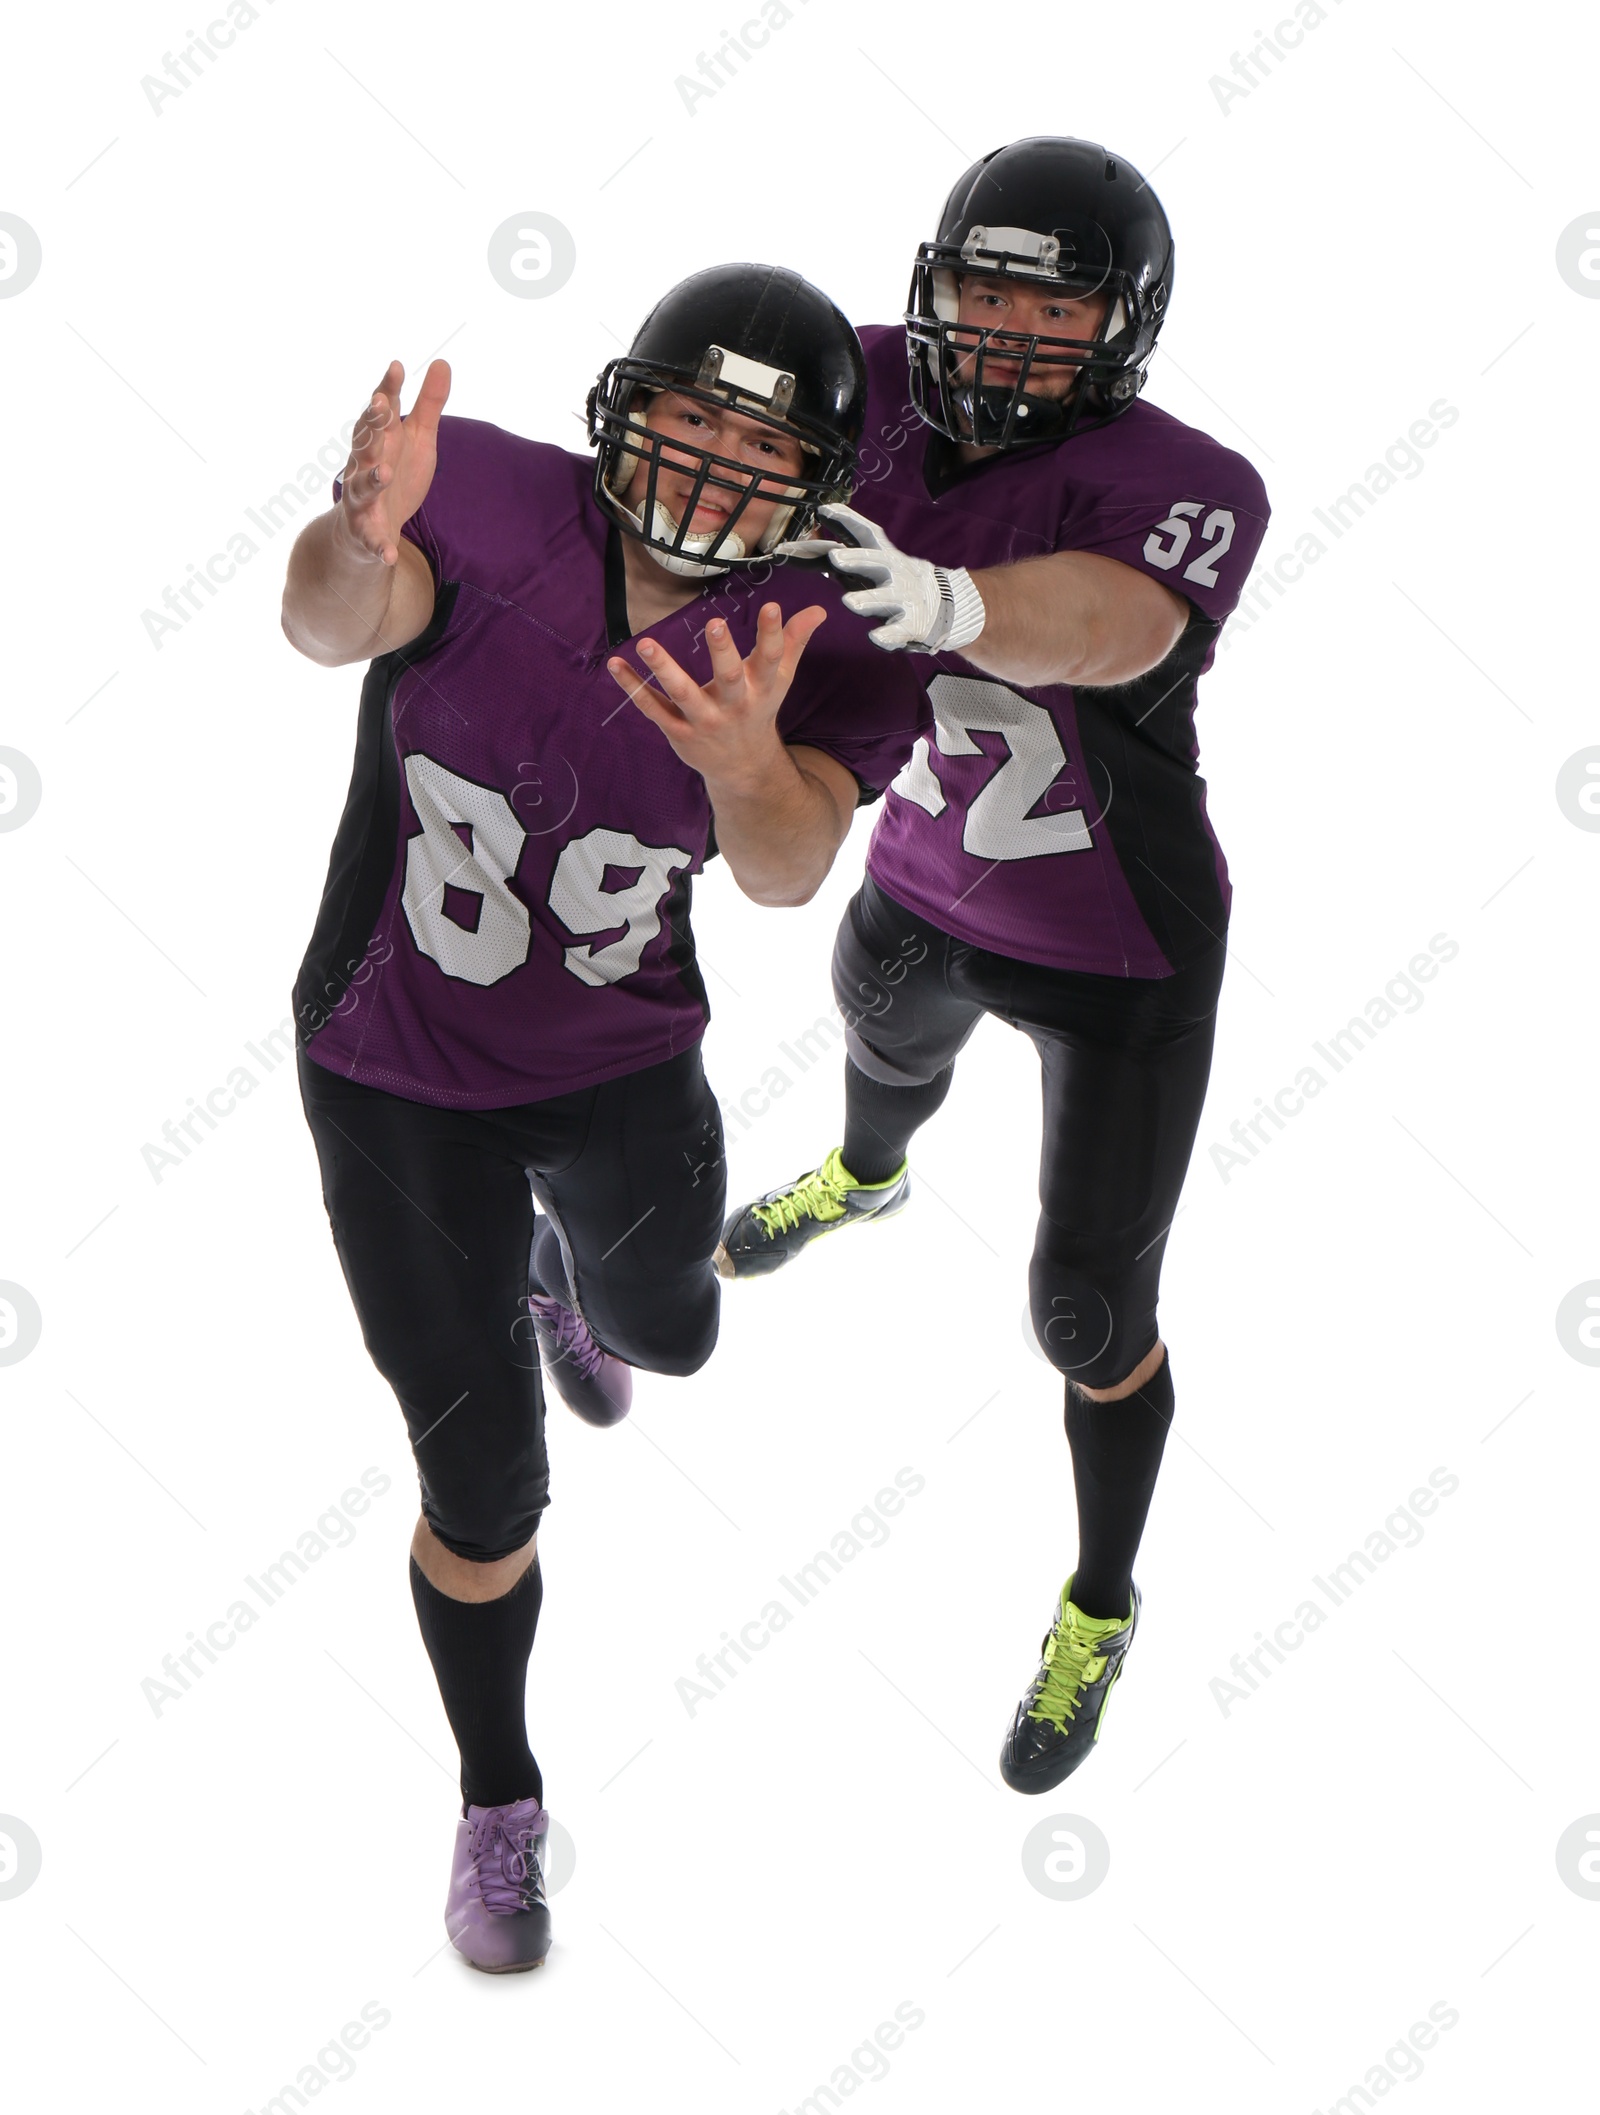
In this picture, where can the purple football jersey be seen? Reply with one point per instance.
(1062, 824)
(506, 915)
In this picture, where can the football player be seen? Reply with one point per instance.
(1067, 554)
(500, 1003)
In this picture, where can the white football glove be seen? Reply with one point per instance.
(929, 608)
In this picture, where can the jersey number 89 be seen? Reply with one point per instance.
(471, 841)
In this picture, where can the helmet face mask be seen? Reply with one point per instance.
(1093, 228)
(618, 423)
(745, 339)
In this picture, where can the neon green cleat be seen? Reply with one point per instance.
(1058, 1721)
(763, 1236)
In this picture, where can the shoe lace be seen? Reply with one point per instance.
(505, 1856)
(572, 1339)
(1071, 1662)
(819, 1195)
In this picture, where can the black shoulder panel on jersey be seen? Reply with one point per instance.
(1136, 737)
(618, 630)
(362, 859)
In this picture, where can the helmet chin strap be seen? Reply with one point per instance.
(664, 529)
(684, 562)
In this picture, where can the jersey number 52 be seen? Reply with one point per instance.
(998, 825)
(1216, 530)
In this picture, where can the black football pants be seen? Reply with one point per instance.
(1125, 1062)
(432, 1213)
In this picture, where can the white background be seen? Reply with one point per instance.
(1292, 1882)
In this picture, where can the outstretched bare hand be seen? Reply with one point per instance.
(392, 461)
(724, 729)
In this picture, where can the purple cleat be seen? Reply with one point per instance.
(588, 1380)
(593, 1382)
(496, 1912)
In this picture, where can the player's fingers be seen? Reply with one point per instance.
(768, 649)
(681, 688)
(869, 564)
(855, 527)
(367, 440)
(365, 527)
(873, 602)
(380, 407)
(796, 633)
(648, 699)
(362, 492)
(726, 665)
(431, 397)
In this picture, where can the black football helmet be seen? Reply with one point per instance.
(761, 341)
(1058, 214)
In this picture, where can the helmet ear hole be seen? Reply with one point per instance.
(633, 408)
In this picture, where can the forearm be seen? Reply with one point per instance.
(1067, 618)
(778, 827)
(336, 596)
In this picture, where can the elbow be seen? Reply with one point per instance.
(802, 888)
(301, 643)
(779, 887)
(312, 649)
(1126, 642)
(776, 897)
(1119, 658)
(779, 892)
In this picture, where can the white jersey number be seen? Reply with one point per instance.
(584, 906)
(1217, 530)
(998, 825)
(481, 863)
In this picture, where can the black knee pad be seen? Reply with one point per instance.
(482, 1466)
(886, 1071)
(481, 1532)
(1089, 1324)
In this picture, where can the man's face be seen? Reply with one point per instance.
(736, 438)
(1015, 310)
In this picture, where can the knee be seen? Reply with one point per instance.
(483, 1542)
(484, 1521)
(1087, 1324)
(674, 1337)
(1150, 1377)
(478, 1576)
(884, 1071)
(482, 1466)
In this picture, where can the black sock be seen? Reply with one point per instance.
(879, 1120)
(1116, 1454)
(479, 1651)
